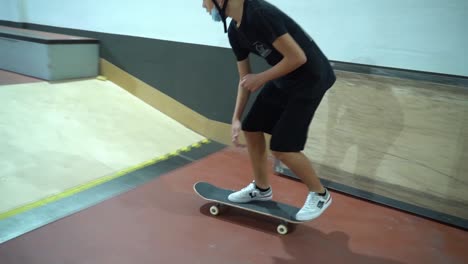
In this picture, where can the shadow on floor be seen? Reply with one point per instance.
(303, 243)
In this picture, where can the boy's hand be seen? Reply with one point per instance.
(252, 82)
(236, 128)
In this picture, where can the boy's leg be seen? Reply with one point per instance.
(258, 158)
(301, 166)
(288, 140)
(262, 117)
(259, 189)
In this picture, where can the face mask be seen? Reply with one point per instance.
(215, 15)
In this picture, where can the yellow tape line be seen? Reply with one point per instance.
(97, 182)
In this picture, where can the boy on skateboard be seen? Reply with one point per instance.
(291, 91)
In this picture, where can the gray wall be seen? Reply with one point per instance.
(201, 77)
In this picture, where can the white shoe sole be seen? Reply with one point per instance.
(262, 199)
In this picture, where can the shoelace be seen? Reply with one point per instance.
(311, 201)
(248, 187)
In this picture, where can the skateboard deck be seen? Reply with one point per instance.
(284, 212)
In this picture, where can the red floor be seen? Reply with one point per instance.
(7, 77)
(164, 221)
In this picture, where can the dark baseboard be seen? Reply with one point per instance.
(12, 24)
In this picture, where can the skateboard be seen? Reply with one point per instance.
(283, 212)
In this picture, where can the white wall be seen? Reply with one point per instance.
(426, 35)
(181, 20)
(9, 10)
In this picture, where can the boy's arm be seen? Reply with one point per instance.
(244, 69)
(293, 58)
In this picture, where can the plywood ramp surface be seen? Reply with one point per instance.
(55, 136)
(403, 139)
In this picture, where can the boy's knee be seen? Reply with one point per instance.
(279, 155)
(253, 136)
(284, 155)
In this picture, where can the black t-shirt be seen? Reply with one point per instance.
(262, 23)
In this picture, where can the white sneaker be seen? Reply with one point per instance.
(314, 206)
(250, 193)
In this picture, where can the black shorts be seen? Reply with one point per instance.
(285, 113)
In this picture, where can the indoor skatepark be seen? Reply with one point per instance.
(98, 165)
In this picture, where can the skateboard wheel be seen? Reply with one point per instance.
(214, 210)
(282, 229)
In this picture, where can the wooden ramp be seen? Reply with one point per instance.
(400, 142)
(57, 138)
